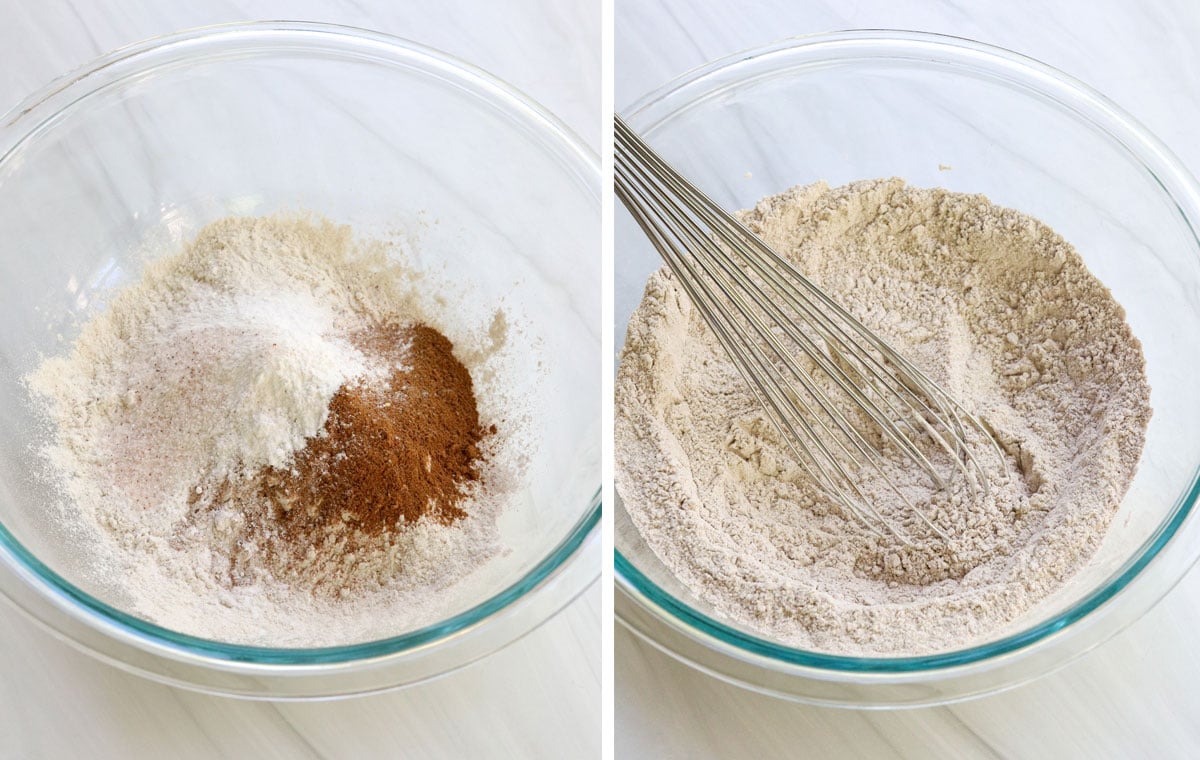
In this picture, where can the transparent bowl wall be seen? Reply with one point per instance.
(130, 158)
(942, 112)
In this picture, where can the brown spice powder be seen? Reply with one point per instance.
(390, 453)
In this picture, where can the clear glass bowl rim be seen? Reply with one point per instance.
(996, 63)
(50, 102)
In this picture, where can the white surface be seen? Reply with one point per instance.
(539, 698)
(1135, 696)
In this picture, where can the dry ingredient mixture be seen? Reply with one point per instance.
(994, 306)
(272, 443)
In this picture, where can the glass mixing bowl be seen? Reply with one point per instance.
(140, 149)
(940, 111)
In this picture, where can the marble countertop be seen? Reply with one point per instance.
(58, 703)
(1136, 695)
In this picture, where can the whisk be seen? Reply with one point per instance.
(767, 315)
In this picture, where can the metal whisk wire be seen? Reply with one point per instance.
(762, 310)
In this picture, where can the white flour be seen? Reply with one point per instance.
(217, 362)
(994, 306)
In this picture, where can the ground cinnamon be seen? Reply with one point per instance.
(391, 453)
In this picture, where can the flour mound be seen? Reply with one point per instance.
(991, 304)
(221, 361)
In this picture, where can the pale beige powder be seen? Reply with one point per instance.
(218, 361)
(994, 306)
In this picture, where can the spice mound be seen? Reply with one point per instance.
(390, 453)
(280, 436)
(393, 451)
(996, 308)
